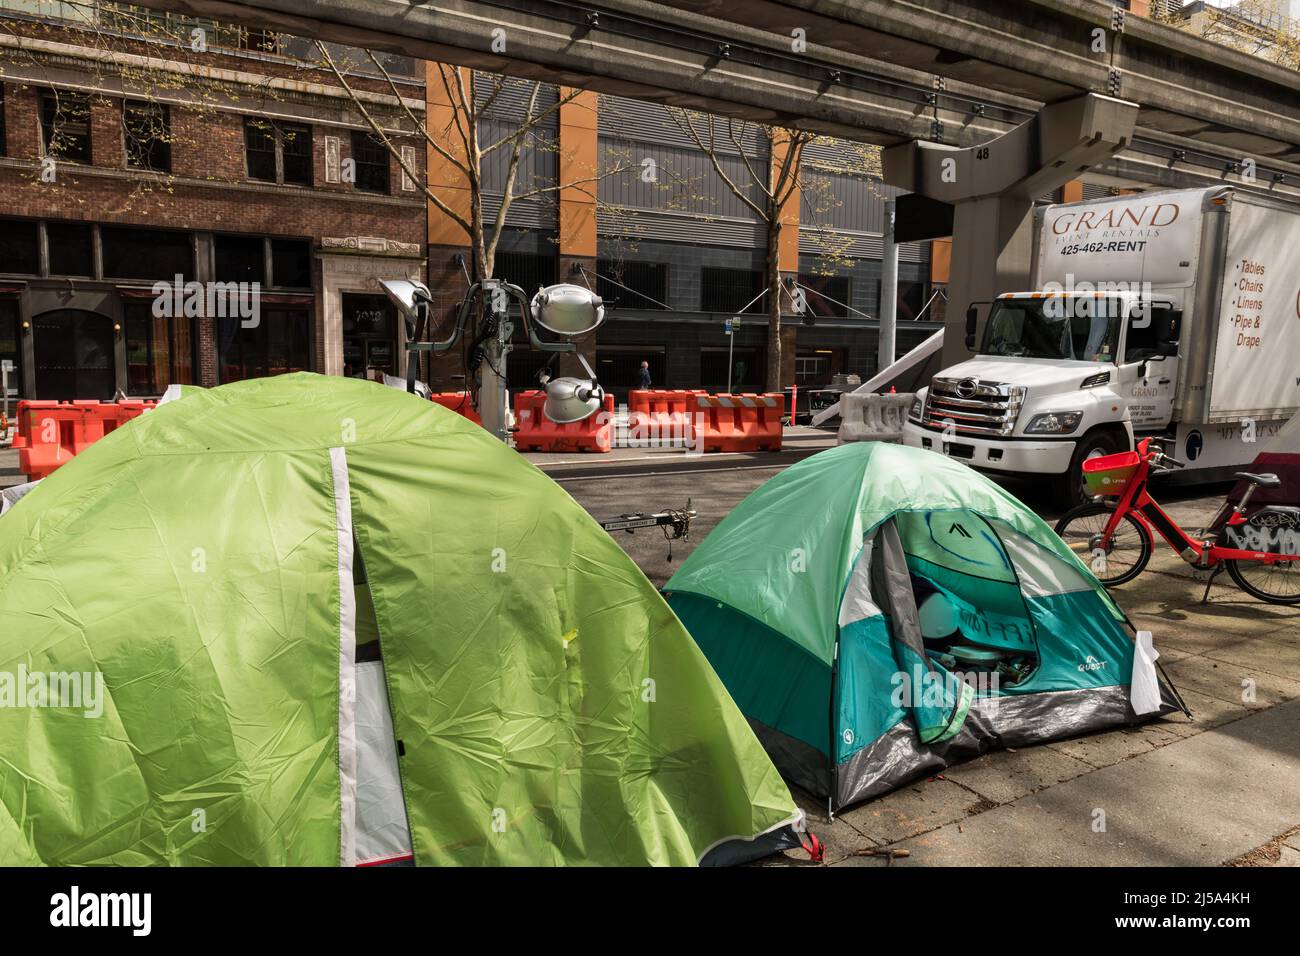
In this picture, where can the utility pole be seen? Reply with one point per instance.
(494, 342)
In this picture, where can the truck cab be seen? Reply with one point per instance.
(1058, 377)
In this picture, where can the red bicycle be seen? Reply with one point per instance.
(1261, 552)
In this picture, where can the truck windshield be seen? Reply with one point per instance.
(1054, 328)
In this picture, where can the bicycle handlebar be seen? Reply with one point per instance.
(1170, 460)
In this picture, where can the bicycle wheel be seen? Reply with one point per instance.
(1275, 583)
(1130, 546)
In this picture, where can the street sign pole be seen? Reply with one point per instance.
(731, 348)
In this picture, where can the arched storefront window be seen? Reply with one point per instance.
(74, 355)
(11, 349)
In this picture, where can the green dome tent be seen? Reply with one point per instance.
(818, 598)
(314, 620)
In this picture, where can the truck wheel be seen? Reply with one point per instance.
(1069, 490)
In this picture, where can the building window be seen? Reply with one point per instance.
(19, 247)
(641, 285)
(147, 128)
(619, 367)
(65, 125)
(279, 343)
(295, 149)
(4, 150)
(912, 296)
(239, 259)
(825, 295)
(812, 369)
(528, 270)
(148, 349)
(731, 291)
(145, 253)
(259, 147)
(371, 158)
(71, 248)
(278, 152)
(748, 369)
(291, 263)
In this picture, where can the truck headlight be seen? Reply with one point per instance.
(918, 407)
(1054, 423)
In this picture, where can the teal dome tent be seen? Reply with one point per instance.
(805, 600)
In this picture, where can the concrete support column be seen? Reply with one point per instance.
(888, 293)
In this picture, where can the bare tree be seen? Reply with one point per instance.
(1256, 27)
(769, 184)
(461, 146)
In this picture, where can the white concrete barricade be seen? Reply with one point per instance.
(867, 417)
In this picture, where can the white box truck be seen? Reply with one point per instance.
(1174, 314)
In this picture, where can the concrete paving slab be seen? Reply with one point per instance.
(1258, 657)
(1114, 746)
(1223, 680)
(1001, 776)
(913, 809)
(1207, 713)
(1290, 856)
(1196, 641)
(1233, 614)
(1200, 801)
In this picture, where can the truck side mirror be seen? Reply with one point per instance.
(1170, 327)
(972, 319)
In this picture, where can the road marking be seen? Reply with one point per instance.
(675, 471)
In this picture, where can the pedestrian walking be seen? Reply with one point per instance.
(645, 375)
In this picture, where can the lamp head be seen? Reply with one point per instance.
(568, 309)
(406, 294)
(572, 400)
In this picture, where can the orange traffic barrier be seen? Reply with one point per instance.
(739, 422)
(459, 402)
(653, 410)
(535, 432)
(52, 433)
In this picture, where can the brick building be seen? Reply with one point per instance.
(136, 147)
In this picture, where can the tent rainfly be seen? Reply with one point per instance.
(313, 620)
(879, 611)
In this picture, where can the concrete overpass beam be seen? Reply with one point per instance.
(992, 188)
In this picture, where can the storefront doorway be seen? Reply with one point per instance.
(73, 355)
(369, 335)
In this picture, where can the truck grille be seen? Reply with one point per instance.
(972, 407)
